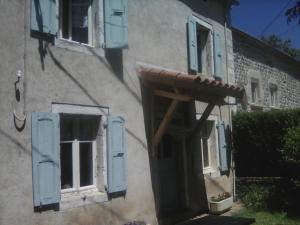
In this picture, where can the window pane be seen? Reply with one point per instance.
(80, 20)
(66, 159)
(86, 163)
(254, 91)
(205, 152)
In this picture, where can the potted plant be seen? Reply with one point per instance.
(220, 203)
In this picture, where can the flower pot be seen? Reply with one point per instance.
(218, 207)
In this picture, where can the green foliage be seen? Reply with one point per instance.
(256, 197)
(283, 45)
(293, 13)
(268, 218)
(291, 144)
(258, 142)
(220, 197)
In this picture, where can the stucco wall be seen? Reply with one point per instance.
(157, 35)
(255, 59)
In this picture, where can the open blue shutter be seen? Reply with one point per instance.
(222, 146)
(116, 155)
(43, 16)
(218, 56)
(192, 38)
(116, 28)
(45, 158)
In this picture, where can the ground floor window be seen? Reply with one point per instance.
(78, 151)
(209, 145)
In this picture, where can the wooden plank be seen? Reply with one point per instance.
(174, 96)
(203, 118)
(164, 123)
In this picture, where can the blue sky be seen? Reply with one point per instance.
(253, 16)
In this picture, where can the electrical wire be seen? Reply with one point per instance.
(275, 18)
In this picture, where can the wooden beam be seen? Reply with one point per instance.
(164, 123)
(203, 118)
(174, 96)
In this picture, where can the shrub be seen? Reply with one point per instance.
(291, 144)
(256, 197)
(258, 142)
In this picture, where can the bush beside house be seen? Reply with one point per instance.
(267, 157)
(264, 141)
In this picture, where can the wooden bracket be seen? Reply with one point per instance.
(203, 118)
(164, 123)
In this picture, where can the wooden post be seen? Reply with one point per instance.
(164, 123)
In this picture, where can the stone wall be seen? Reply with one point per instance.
(253, 58)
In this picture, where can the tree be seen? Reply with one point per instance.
(293, 13)
(283, 45)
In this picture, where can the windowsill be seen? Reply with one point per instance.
(79, 47)
(72, 199)
(255, 105)
(208, 170)
(274, 107)
(211, 172)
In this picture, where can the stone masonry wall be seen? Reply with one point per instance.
(252, 58)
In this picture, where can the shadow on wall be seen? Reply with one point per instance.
(86, 92)
(204, 8)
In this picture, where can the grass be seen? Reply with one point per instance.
(268, 218)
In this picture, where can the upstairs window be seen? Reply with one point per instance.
(76, 21)
(91, 22)
(273, 95)
(204, 48)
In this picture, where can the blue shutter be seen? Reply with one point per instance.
(45, 158)
(116, 28)
(116, 155)
(192, 38)
(218, 56)
(222, 146)
(43, 16)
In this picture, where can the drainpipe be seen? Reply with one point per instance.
(227, 20)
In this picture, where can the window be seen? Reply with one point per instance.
(209, 146)
(205, 143)
(78, 151)
(273, 95)
(254, 91)
(97, 23)
(76, 21)
(204, 48)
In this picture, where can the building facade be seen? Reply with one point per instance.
(88, 136)
(271, 77)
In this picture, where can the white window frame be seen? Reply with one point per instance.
(273, 86)
(76, 169)
(209, 27)
(257, 90)
(211, 168)
(91, 25)
(71, 198)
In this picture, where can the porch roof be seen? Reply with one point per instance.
(182, 87)
(193, 87)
